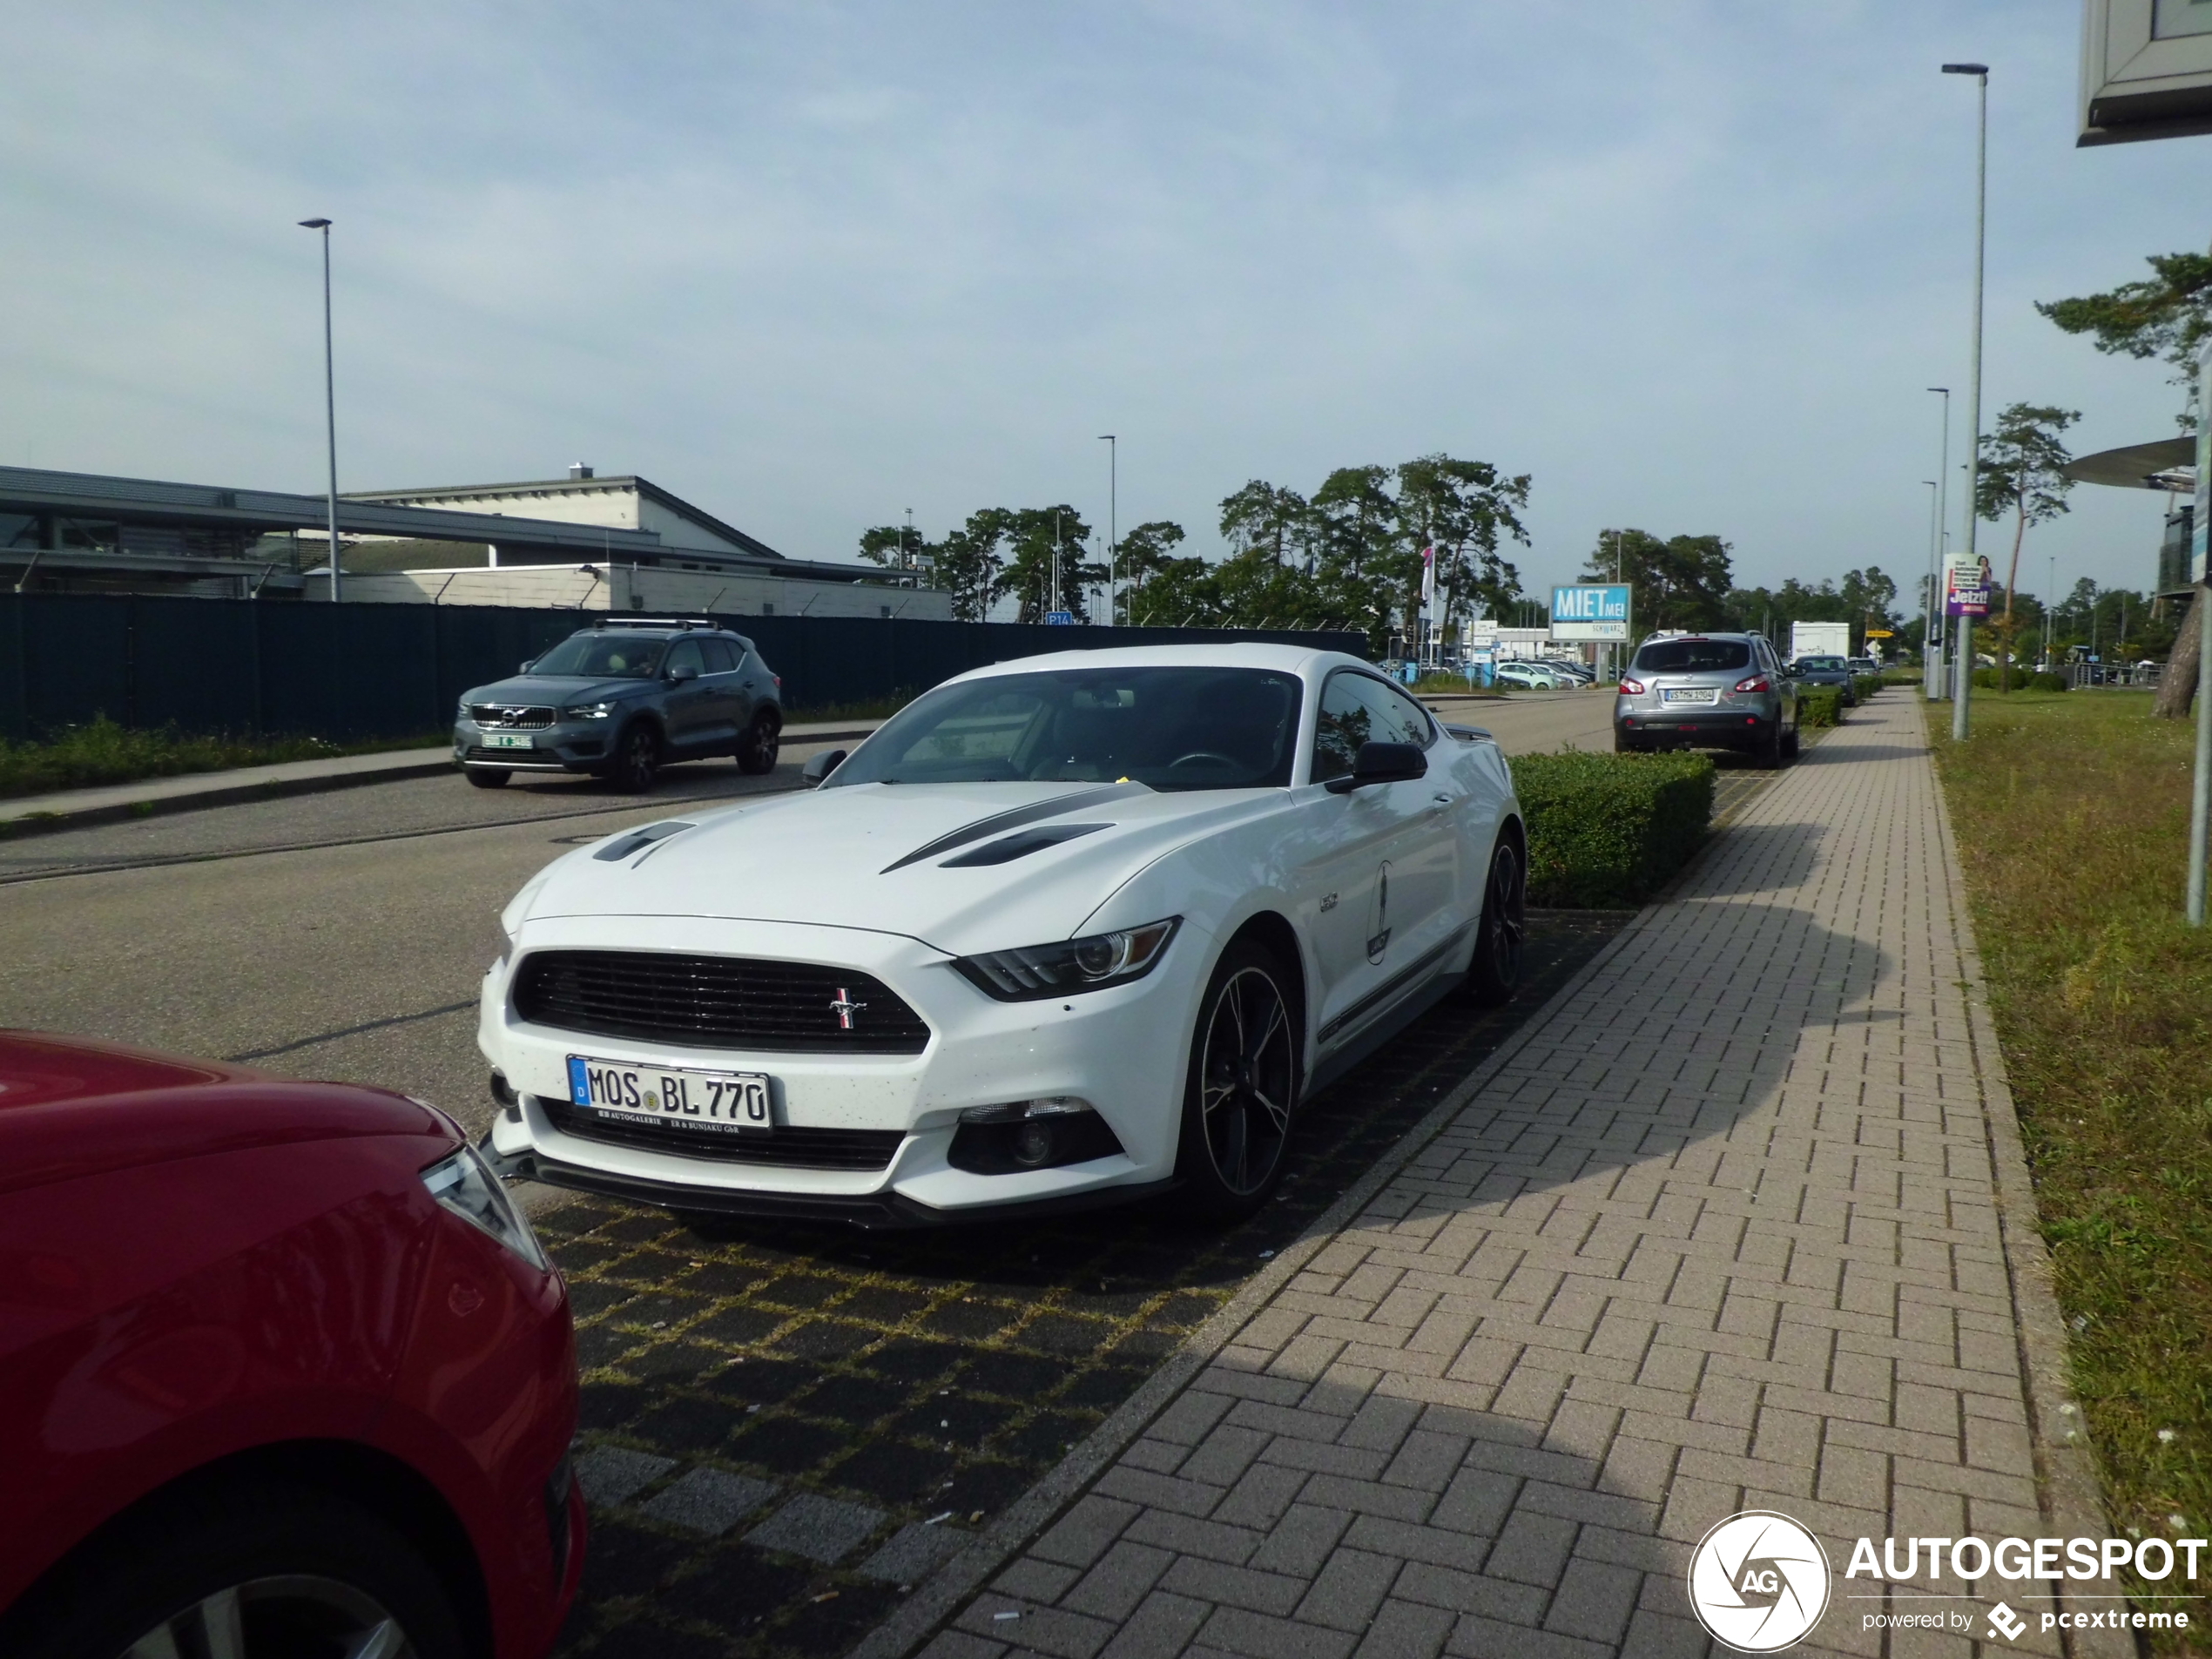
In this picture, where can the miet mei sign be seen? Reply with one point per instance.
(1596, 612)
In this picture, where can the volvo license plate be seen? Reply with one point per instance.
(510, 740)
(1689, 694)
(728, 1102)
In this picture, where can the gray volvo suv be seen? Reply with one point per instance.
(1706, 692)
(621, 698)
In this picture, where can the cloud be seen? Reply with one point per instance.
(1689, 264)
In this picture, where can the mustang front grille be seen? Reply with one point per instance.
(716, 1003)
(790, 1148)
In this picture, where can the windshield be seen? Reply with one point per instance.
(1823, 665)
(1693, 656)
(1168, 727)
(603, 657)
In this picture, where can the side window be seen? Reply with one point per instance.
(1346, 722)
(1408, 716)
(720, 659)
(686, 651)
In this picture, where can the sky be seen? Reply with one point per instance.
(1690, 266)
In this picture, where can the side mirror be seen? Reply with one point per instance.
(681, 672)
(820, 766)
(526, 666)
(1380, 763)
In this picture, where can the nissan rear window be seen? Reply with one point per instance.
(1693, 657)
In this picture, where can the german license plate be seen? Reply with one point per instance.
(730, 1102)
(510, 740)
(1690, 694)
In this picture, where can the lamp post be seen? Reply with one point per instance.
(1113, 531)
(1933, 635)
(1963, 650)
(1930, 601)
(329, 397)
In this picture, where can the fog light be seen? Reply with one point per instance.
(1015, 1111)
(1033, 1143)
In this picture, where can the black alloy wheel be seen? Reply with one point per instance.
(636, 761)
(1502, 937)
(487, 777)
(763, 740)
(1245, 1057)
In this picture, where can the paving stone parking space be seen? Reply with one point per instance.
(783, 1428)
(1722, 1229)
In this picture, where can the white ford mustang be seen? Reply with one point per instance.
(1066, 931)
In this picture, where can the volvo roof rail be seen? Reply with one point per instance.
(616, 619)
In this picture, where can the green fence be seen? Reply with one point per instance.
(354, 672)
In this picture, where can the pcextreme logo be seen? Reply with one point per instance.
(1758, 1582)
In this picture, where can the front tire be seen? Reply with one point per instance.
(261, 1571)
(636, 761)
(1243, 1087)
(489, 777)
(1501, 936)
(763, 740)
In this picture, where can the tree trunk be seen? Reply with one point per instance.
(2177, 685)
(2012, 581)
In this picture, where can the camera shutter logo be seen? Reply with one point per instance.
(1758, 1582)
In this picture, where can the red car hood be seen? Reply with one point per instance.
(71, 1107)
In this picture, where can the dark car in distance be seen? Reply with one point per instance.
(283, 1373)
(620, 699)
(1828, 671)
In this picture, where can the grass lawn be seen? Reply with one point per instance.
(103, 753)
(2072, 814)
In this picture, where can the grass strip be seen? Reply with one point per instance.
(2071, 811)
(101, 752)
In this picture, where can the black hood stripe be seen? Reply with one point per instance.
(1036, 811)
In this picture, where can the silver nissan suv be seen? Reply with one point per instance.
(1706, 692)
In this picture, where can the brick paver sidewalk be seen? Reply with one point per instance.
(1722, 1233)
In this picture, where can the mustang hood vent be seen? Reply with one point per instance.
(1021, 844)
(999, 822)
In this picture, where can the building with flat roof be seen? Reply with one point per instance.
(581, 541)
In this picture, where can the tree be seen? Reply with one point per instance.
(968, 562)
(1460, 508)
(1033, 534)
(2022, 472)
(897, 547)
(2166, 317)
(1262, 518)
(1679, 584)
(1144, 555)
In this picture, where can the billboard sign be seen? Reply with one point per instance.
(1590, 612)
(2146, 70)
(1966, 580)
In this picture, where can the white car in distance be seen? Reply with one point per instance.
(1532, 677)
(1069, 930)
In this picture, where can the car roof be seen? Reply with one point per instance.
(1290, 659)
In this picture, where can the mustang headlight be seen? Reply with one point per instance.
(588, 711)
(462, 1185)
(1087, 964)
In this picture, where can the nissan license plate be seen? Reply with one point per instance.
(510, 740)
(730, 1102)
(1690, 694)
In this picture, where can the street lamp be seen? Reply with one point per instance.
(1113, 532)
(1932, 601)
(1932, 636)
(1962, 648)
(329, 397)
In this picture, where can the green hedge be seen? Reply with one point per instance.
(1864, 686)
(1606, 831)
(2046, 683)
(1986, 678)
(1820, 705)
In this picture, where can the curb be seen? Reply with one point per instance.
(2066, 1464)
(937, 1597)
(217, 795)
(232, 794)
